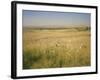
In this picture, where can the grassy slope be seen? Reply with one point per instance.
(55, 48)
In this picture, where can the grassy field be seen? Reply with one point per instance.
(54, 48)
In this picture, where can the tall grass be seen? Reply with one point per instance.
(55, 48)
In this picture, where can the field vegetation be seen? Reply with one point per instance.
(54, 48)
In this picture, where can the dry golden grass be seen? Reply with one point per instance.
(55, 48)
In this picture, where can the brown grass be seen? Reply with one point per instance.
(55, 48)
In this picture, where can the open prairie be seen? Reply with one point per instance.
(54, 48)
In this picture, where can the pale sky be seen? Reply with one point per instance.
(49, 18)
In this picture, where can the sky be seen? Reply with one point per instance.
(31, 18)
